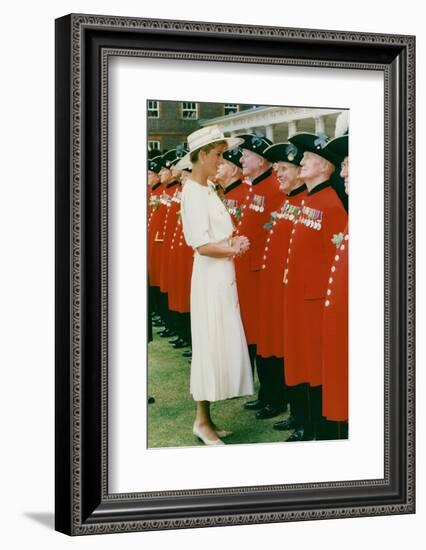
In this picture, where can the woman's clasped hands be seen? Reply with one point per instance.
(240, 244)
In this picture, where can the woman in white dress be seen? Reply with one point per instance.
(220, 366)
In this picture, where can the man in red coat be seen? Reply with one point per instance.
(335, 323)
(155, 189)
(159, 225)
(306, 277)
(229, 176)
(263, 197)
(173, 189)
(286, 158)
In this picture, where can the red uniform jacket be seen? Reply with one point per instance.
(335, 335)
(271, 289)
(306, 277)
(154, 194)
(156, 232)
(180, 260)
(170, 222)
(233, 197)
(262, 198)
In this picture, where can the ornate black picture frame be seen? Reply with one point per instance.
(84, 43)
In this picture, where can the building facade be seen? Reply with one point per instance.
(170, 122)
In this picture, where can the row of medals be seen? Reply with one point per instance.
(231, 205)
(258, 203)
(310, 218)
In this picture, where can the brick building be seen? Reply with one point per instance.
(170, 122)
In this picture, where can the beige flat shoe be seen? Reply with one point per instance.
(204, 439)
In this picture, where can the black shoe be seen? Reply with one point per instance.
(158, 323)
(151, 400)
(289, 424)
(187, 353)
(174, 340)
(269, 412)
(180, 344)
(301, 434)
(166, 333)
(254, 405)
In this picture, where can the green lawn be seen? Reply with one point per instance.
(171, 417)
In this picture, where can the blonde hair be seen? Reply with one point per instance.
(206, 149)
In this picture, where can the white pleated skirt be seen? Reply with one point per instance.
(220, 367)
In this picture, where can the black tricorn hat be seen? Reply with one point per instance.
(234, 156)
(315, 144)
(284, 152)
(257, 143)
(339, 146)
(155, 164)
(173, 156)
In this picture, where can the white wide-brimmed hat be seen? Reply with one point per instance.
(206, 136)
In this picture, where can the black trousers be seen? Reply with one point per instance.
(300, 404)
(272, 391)
(180, 323)
(164, 312)
(331, 429)
(306, 405)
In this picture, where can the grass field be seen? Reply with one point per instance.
(171, 417)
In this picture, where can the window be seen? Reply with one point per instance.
(230, 108)
(153, 145)
(153, 109)
(189, 110)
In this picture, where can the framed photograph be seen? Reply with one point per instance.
(179, 379)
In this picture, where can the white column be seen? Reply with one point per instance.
(292, 128)
(270, 132)
(319, 125)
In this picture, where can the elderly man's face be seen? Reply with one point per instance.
(287, 174)
(312, 165)
(176, 172)
(344, 172)
(153, 178)
(251, 163)
(165, 175)
(225, 172)
(184, 176)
